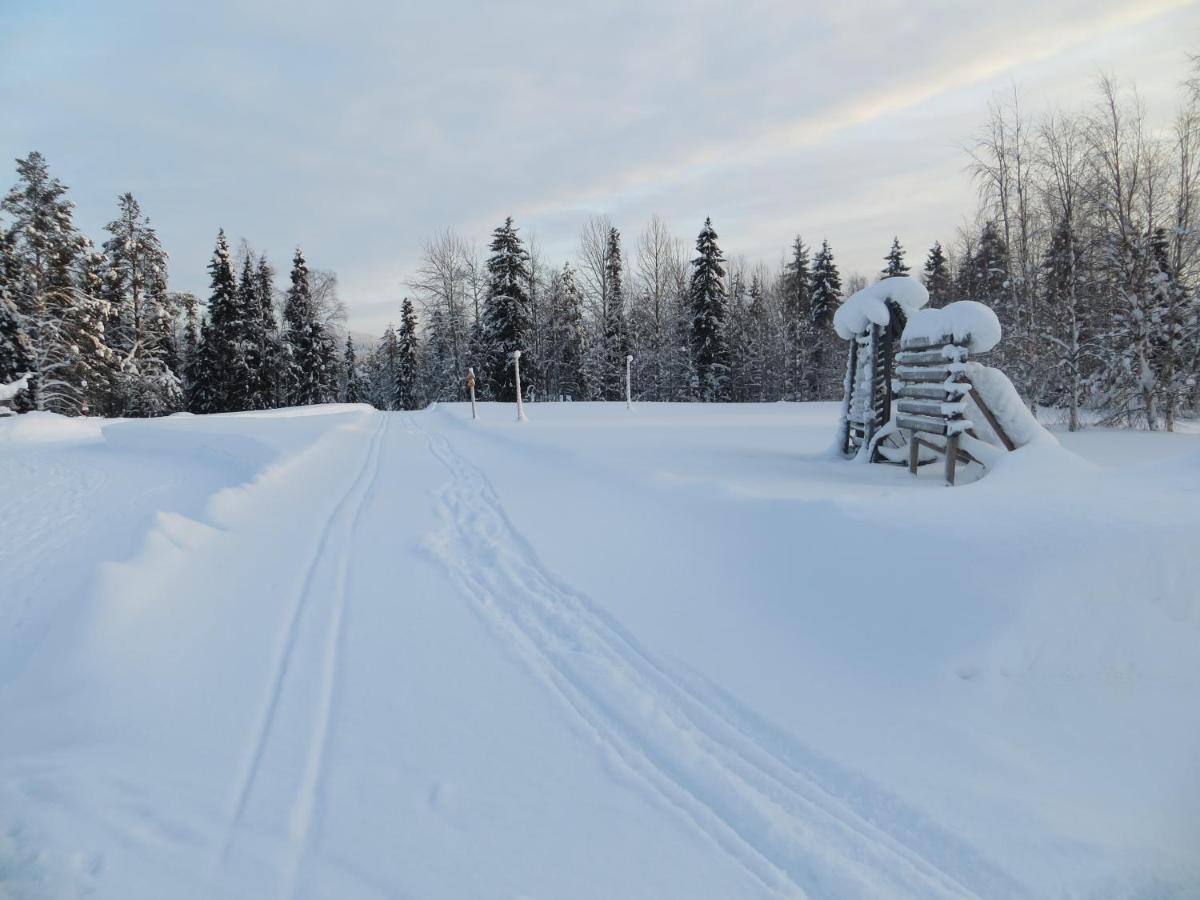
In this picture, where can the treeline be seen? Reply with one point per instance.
(1085, 243)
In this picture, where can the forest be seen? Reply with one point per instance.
(1084, 242)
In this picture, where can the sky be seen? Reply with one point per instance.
(359, 128)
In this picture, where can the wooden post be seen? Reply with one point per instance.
(629, 381)
(471, 388)
(517, 378)
(914, 452)
(951, 458)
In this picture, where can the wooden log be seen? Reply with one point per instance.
(924, 358)
(923, 375)
(928, 424)
(993, 421)
(929, 392)
(951, 458)
(927, 344)
(922, 407)
(914, 452)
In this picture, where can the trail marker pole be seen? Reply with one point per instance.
(471, 388)
(629, 381)
(517, 376)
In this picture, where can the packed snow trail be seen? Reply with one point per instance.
(292, 723)
(788, 830)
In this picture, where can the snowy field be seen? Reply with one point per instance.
(673, 652)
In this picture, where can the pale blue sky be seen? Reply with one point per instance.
(357, 128)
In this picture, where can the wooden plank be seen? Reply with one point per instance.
(922, 375)
(992, 420)
(922, 407)
(927, 424)
(924, 357)
(951, 458)
(927, 392)
(925, 344)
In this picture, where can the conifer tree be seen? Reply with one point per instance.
(225, 360)
(13, 359)
(614, 329)
(797, 315)
(825, 294)
(266, 390)
(708, 301)
(383, 369)
(566, 337)
(408, 391)
(353, 388)
(305, 380)
(506, 312)
(62, 342)
(937, 276)
(135, 284)
(895, 264)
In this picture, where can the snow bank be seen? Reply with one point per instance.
(48, 427)
(869, 306)
(965, 320)
(1006, 404)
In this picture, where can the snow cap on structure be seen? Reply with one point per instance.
(869, 306)
(965, 320)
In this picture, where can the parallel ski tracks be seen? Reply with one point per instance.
(792, 830)
(334, 546)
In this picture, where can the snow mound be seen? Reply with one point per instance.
(1006, 405)
(965, 320)
(869, 306)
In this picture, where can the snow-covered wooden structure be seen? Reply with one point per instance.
(946, 404)
(872, 320)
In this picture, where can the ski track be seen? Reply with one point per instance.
(789, 828)
(289, 659)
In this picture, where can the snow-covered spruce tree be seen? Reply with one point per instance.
(757, 329)
(506, 312)
(1068, 325)
(354, 390)
(408, 389)
(614, 327)
(62, 326)
(738, 333)
(187, 340)
(14, 362)
(135, 284)
(382, 371)
(936, 276)
(796, 308)
(564, 365)
(708, 302)
(306, 351)
(825, 293)
(894, 263)
(225, 352)
(269, 357)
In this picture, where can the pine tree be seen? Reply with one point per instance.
(825, 294)
(614, 328)
(383, 370)
(1068, 332)
(57, 319)
(353, 388)
(895, 261)
(135, 284)
(708, 301)
(506, 322)
(937, 276)
(567, 336)
(304, 379)
(14, 362)
(225, 363)
(797, 315)
(266, 389)
(407, 389)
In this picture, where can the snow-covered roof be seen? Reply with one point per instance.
(869, 306)
(963, 320)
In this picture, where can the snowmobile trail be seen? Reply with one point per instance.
(794, 831)
(279, 788)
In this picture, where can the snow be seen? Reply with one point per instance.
(869, 306)
(11, 389)
(676, 651)
(1006, 405)
(965, 320)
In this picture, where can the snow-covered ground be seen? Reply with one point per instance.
(673, 652)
